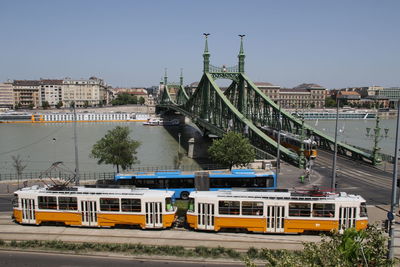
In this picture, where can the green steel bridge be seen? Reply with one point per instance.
(245, 109)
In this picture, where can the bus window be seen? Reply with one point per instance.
(229, 207)
(67, 203)
(252, 208)
(109, 204)
(363, 210)
(131, 205)
(323, 210)
(191, 205)
(299, 209)
(49, 203)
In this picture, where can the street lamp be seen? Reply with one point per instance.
(179, 144)
(394, 187)
(333, 182)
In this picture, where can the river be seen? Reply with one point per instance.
(39, 145)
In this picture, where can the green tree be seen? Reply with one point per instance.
(141, 100)
(45, 105)
(232, 149)
(116, 148)
(31, 106)
(86, 104)
(330, 102)
(59, 104)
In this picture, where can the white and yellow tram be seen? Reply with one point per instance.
(95, 207)
(275, 212)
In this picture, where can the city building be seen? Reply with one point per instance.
(270, 90)
(138, 92)
(50, 92)
(6, 95)
(393, 95)
(26, 93)
(91, 92)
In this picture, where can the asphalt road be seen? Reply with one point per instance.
(33, 259)
(356, 178)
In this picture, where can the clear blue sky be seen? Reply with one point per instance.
(129, 43)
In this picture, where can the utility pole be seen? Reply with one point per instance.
(278, 152)
(333, 182)
(394, 188)
(77, 177)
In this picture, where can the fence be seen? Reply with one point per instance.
(102, 175)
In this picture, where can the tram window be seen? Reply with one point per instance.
(49, 203)
(323, 210)
(67, 203)
(109, 204)
(363, 210)
(15, 201)
(252, 208)
(229, 207)
(191, 204)
(131, 205)
(300, 209)
(168, 204)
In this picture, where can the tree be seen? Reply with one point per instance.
(330, 102)
(31, 106)
(45, 105)
(19, 166)
(232, 149)
(116, 148)
(59, 104)
(86, 104)
(141, 100)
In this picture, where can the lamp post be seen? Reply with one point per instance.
(394, 187)
(333, 181)
(179, 144)
(76, 149)
(278, 152)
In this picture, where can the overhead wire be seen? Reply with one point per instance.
(31, 144)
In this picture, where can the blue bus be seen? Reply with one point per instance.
(184, 182)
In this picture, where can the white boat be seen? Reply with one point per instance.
(161, 122)
(19, 117)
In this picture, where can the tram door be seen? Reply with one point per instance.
(347, 218)
(28, 210)
(275, 219)
(205, 217)
(154, 214)
(89, 212)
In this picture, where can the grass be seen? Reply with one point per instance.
(131, 249)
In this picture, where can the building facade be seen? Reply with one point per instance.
(91, 92)
(50, 92)
(6, 95)
(26, 93)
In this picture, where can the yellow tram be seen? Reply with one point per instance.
(95, 207)
(276, 212)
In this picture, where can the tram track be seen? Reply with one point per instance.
(227, 240)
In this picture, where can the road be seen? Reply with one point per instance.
(356, 178)
(19, 259)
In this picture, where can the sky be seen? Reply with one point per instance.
(129, 43)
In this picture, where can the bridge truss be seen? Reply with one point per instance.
(244, 108)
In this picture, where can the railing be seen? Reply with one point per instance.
(224, 69)
(104, 175)
(385, 157)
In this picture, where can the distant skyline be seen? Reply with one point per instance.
(129, 43)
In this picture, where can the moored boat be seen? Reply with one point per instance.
(161, 122)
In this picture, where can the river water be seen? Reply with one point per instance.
(39, 145)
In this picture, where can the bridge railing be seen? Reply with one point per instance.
(224, 69)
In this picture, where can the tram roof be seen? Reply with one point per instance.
(80, 190)
(288, 195)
